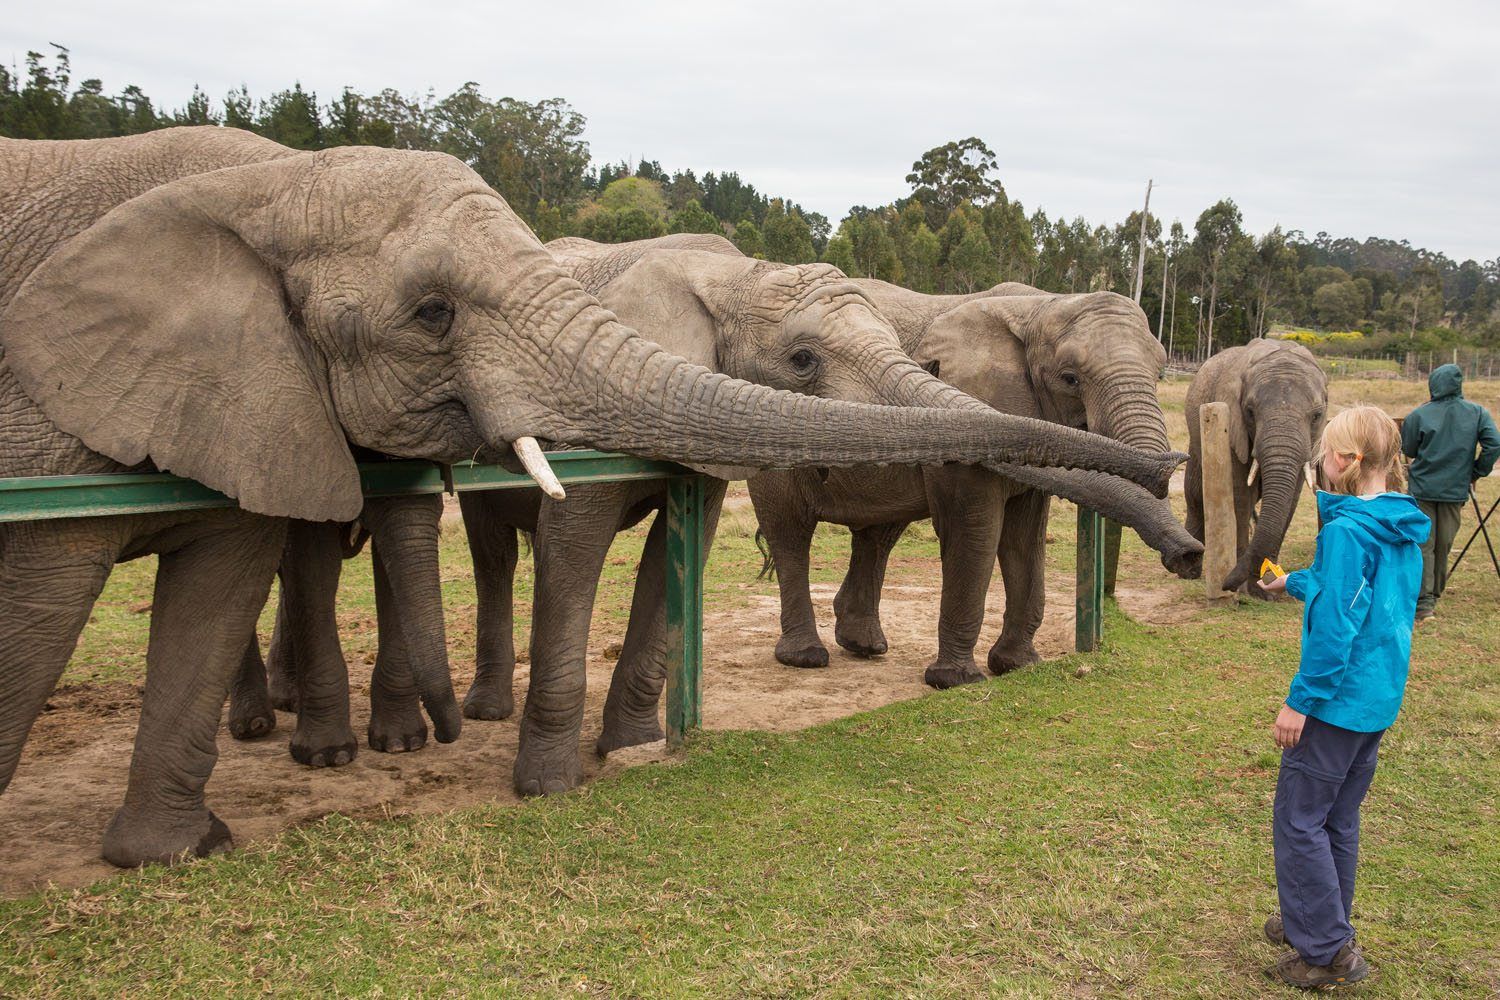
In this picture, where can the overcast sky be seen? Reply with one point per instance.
(1369, 118)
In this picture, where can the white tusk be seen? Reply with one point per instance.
(530, 454)
(1254, 471)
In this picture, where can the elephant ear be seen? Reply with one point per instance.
(1232, 391)
(663, 299)
(161, 333)
(667, 297)
(976, 347)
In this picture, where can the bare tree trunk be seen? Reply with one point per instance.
(1140, 257)
(1166, 264)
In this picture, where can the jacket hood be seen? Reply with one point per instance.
(1445, 381)
(1389, 517)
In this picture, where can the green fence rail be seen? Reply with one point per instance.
(49, 497)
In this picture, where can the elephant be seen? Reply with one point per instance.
(1278, 399)
(205, 302)
(718, 307)
(1085, 360)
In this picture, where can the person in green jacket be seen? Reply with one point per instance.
(1441, 437)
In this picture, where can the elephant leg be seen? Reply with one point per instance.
(968, 513)
(209, 593)
(492, 545)
(281, 662)
(251, 714)
(788, 528)
(856, 606)
(308, 624)
(1192, 488)
(1023, 567)
(630, 711)
(572, 540)
(51, 573)
(396, 723)
(411, 662)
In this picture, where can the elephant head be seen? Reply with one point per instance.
(1278, 400)
(1087, 361)
(245, 326)
(805, 328)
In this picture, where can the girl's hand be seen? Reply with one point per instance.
(1288, 728)
(1276, 586)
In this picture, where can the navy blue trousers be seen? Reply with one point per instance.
(1323, 780)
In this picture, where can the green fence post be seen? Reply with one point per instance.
(1111, 555)
(684, 607)
(1088, 602)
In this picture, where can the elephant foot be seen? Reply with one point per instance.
(861, 636)
(547, 771)
(251, 715)
(798, 652)
(323, 747)
(632, 733)
(132, 840)
(947, 675)
(1008, 656)
(489, 701)
(397, 728)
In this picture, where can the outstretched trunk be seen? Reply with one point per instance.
(1139, 422)
(625, 393)
(1280, 473)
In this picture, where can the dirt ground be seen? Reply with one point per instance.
(73, 773)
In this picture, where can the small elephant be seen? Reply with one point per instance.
(1278, 397)
(1081, 360)
(206, 302)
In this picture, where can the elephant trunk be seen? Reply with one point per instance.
(1126, 408)
(1115, 498)
(406, 544)
(1281, 459)
(630, 395)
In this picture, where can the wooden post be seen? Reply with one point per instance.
(1218, 499)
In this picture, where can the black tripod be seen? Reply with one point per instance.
(1480, 530)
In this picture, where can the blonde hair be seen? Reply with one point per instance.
(1367, 438)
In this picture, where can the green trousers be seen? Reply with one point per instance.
(1445, 518)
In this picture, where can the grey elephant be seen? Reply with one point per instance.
(206, 302)
(804, 327)
(1278, 398)
(1086, 360)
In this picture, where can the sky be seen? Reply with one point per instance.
(1370, 118)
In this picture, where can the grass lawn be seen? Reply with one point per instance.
(1043, 834)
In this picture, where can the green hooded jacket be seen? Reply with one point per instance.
(1440, 438)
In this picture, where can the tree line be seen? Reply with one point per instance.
(954, 231)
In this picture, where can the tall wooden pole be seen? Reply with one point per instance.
(1140, 257)
(1218, 498)
(1161, 317)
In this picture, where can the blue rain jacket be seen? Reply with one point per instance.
(1360, 598)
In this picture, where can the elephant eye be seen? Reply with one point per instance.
(1070, 380)
(804, 362)
(435, 315)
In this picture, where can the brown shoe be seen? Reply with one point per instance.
(1275, 933)
(1347, 967)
